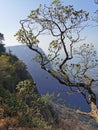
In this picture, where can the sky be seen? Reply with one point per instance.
(12, 11)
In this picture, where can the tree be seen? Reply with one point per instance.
(1, 37)
(95, 17)
(64, 24)
(11, 72)
(96, 1)
(96, 12)
(2, 48)
(36, 105)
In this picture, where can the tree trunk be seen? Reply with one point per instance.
(94, 112)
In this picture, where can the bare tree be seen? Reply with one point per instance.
(72, 69)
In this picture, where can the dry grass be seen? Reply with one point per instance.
(22, 128)
(10, 121)
(69, 121)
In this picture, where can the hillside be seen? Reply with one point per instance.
(45, 82)
(20, 102)
(61, 118)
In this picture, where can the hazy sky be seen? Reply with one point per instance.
(11, 11)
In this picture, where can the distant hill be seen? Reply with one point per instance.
(45, 82)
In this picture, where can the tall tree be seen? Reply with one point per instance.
(95, 17)
(2, 48)
(96, 1)
(70, 66)
(1, 37)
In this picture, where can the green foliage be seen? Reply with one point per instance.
(3, 92)
(36, 105)
(64, 24)
(2, 48)
(27, 92)
(53, 73)
(37, 111)
(40, 124)
(56, 19)
(55, 1)
(26, 37)
(11, 106)
(11, 72)
(22, 97)
(1, 37)
(10, 103)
